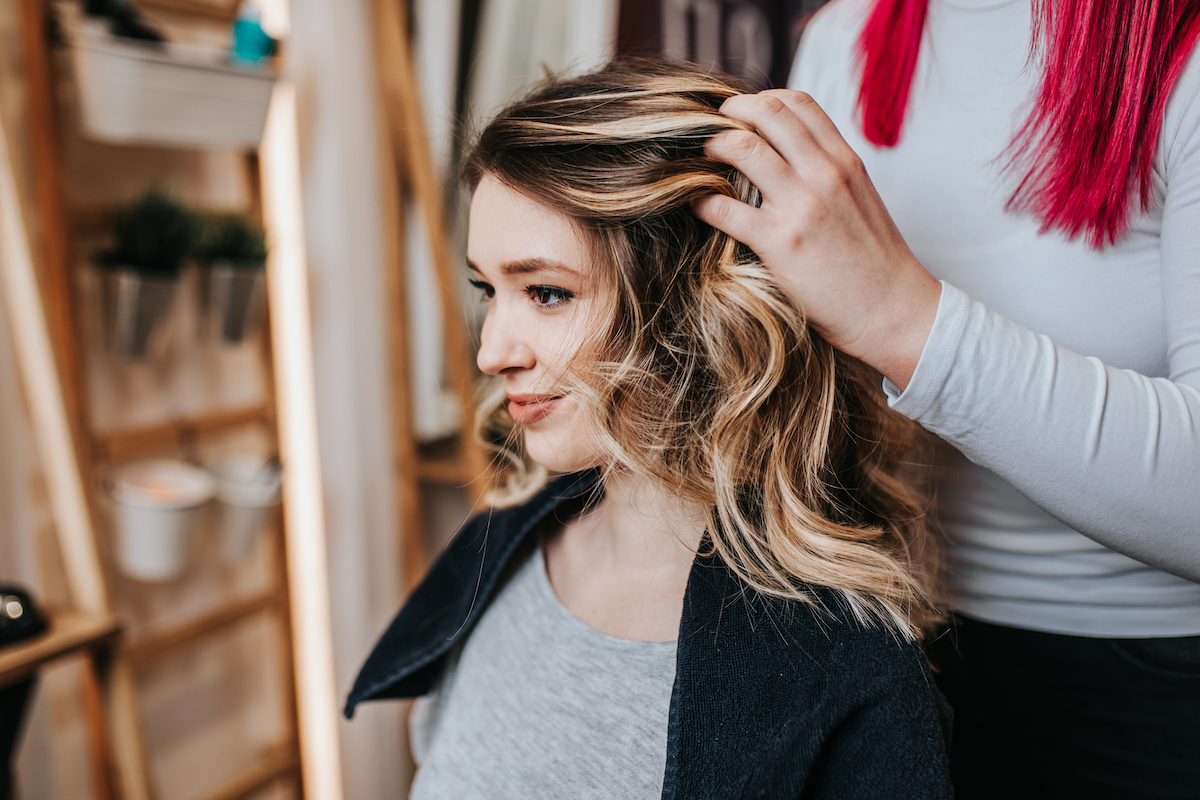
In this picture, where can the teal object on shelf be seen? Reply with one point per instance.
(251, 44)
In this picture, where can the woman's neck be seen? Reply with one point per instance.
(622, 568)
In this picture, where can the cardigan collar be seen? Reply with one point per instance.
(407, 659)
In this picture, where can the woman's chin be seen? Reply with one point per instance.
(572, 455)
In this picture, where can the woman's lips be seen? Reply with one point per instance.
(528, 409)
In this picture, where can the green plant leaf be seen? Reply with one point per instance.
(153, 235)
(233, 238)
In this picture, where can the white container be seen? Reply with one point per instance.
(157, 504)
(175, 95)
(247, 489)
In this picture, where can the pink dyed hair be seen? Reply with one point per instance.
(1088, 144)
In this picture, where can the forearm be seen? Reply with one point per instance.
(1111, 453)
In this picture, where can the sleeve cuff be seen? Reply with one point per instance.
(937, 357)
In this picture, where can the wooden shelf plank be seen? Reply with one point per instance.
(126, 442)
(455, 461)
(446, 471)
(161, 643)
(275, 764)
(69, 631)
(221, 12)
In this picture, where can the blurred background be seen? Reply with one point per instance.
(236, 362)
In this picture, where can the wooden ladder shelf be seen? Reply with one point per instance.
(42, 309)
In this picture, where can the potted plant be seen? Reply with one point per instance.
(232, 255)
(152, 236)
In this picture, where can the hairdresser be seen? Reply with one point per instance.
(997, 205)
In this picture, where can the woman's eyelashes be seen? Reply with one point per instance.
(486, 289)
(549, 296)
(544, 297)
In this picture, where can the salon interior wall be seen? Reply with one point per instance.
(330, 60)
(753, 39)
(203, 711)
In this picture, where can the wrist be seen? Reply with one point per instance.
(905, 326)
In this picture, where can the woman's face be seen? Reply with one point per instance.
(544, 301)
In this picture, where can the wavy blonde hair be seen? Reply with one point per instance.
(709, 381)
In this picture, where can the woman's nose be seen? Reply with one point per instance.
(502, 347)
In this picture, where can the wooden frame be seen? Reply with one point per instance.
(70, 631)
(303, 501)
(116, 761)
(124, 443)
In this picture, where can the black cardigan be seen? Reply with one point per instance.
(772, 699)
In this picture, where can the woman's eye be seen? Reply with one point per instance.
(549, 296)
(486, 288)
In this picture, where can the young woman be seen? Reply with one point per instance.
(720, 593)
(1043, 160)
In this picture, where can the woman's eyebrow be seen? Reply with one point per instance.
(531, 265)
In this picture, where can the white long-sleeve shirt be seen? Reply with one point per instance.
(1068, 379)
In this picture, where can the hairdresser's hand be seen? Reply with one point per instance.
(824, 232)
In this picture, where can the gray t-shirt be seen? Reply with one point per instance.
(537, 704)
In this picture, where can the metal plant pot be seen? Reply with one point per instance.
(157, 505)
(136, 306)
(233, 296)
(247, 490)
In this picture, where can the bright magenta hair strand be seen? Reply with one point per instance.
(888, 47)
(1087, 147)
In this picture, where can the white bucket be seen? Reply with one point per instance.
(247, 488)
(157, 504)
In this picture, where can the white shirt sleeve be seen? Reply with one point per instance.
(1111, 453)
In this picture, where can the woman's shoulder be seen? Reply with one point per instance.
(843, 707)
(824, 636)
(845, 16)
(830, 636)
